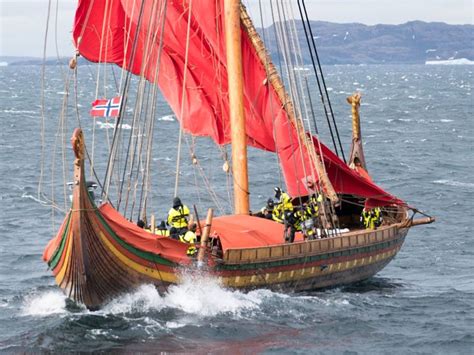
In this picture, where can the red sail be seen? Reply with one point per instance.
(128, 33)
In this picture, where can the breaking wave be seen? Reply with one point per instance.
(44, 304)
(196, 294)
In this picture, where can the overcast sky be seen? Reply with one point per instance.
(23, 21)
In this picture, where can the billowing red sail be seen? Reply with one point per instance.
(129, 34)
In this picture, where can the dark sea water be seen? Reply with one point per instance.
(417, 123)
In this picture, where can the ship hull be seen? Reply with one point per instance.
(98, 254)
(315, 264)
(113, 266)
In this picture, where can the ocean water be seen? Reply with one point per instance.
(417, 123)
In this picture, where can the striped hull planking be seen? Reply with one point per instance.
(95, 258)
(306, 270)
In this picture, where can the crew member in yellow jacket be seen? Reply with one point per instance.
(190, 238)
(178, 218)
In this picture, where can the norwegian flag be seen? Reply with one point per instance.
(106, 108)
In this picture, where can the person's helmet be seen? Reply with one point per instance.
(141, 223)
(177, 202)
(270, 203)
(277, 192)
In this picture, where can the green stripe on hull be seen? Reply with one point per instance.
(306, 259)
(53, 262)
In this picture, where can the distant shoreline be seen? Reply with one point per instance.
(414, 42)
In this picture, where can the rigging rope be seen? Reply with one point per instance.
(306, 24)
(113, 153)
(272, 109)
(291, 84)
(183, 92)
(146, 174)
(42, 128)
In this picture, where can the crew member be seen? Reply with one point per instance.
(141, 223)
(267, 211)
(162, 230)
(178, 218)
(283, 207)
(371, 218)
(377, 217)
(190, 238)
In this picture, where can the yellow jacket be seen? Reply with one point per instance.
(178, 218)
(190, 238)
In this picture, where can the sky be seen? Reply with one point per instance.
(23, 22)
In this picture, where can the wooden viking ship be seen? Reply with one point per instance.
(99, 254)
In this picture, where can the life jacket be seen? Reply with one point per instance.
(300, 217)
(163, 232)
(313, 205)
(285, 202)
(369, 218)
(377, 216)
(190, 238)
(178, 218)
(277, 214)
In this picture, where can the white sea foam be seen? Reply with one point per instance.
(44, 304)
(196, 294)
(108, 125)
(146, 297)
(454, 183)
(19, 111)
(446, 120)
(167, 118)
(205, 296)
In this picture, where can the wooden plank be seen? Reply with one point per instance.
(263, 253)
(277, 252)
(345, 242)
(324, 245)
(249, 254)
(295, 249)
(315, 246)
(353, 241)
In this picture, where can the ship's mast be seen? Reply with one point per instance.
(236, 104)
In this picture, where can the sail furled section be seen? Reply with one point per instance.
(347, 181)
(180, 45)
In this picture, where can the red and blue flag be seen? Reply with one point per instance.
(106, 108)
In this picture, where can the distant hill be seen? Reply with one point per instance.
(413, 42)
(353, 43)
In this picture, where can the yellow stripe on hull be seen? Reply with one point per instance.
(152, 273)
(60, 275)
(303, 273)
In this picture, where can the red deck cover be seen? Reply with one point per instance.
(242, 231)
(135, 236)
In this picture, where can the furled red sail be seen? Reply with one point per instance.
(128, 33)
